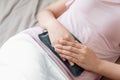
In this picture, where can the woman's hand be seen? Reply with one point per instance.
(56, 34)
(48, 20)
(79, 54)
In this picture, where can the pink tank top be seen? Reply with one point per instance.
(96, 24)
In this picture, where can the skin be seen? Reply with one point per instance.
(49, 21)
(86, 58)
(68, 48)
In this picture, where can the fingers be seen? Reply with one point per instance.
(61, 57)
(72, 59)
(71, 63)
(65, 52)
(67, 48)
(73, 44)
(68, 38)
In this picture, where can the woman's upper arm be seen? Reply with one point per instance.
(57, 8)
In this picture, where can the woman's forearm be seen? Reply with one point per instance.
(108, 69)
(48, 17)
(48, 21)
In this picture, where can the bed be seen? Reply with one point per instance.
(18, 15)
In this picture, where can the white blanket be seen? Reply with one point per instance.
(21, 58)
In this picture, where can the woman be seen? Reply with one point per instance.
(91, 21)
(95, 23)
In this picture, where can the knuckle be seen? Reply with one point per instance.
(85, 47)
(70, 58)
(66, 36)
(73, 44)
(64, 43)
(68, 53)
(84, 52)
(63, 51)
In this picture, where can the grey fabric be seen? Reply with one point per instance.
(17, 15)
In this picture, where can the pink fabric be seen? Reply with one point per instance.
(69, 3)
(96, 24)
(34, 32)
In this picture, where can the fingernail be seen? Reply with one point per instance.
(57, 46)
(60, 41)
(76, 41)
(56, 49)
(71, 63)
(57, 42)
(64, 59)
(61, 55)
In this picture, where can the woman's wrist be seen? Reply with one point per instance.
(100, 67)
